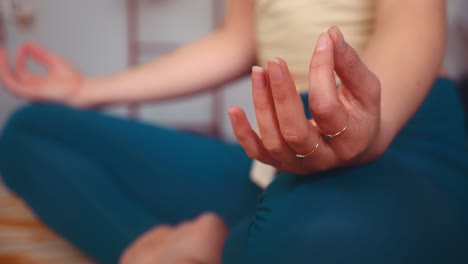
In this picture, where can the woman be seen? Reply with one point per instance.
(407, 206)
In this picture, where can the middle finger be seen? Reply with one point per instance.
(297, 131)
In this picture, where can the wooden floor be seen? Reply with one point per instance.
(24, 239)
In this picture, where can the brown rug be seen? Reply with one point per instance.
(25, 240)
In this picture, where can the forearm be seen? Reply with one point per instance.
(405, 53)
(201, 65)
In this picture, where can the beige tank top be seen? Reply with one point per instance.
(289, 29)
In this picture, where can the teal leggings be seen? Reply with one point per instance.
(101, 181)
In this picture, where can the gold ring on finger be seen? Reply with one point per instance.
(303, 156)
(330, 137)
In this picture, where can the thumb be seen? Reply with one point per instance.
(354, 74)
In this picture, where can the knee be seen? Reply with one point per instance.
(19, 124)
(28, 116)
(14, 126)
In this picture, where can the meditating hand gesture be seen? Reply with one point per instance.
(346, 121)
(59, 84)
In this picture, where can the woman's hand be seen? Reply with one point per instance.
(346, 121)
(59, 84)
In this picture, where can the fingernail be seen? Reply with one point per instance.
(232, 116)
(275, 70)
(258, 78)
(322, 43)
(257, 69)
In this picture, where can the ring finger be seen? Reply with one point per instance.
(327, 109)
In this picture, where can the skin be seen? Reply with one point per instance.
(284, 128)
(379, 93)
(199, 241)
(404, 72)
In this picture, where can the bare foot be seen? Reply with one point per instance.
(193, 242)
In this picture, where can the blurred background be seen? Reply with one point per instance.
(106, 36)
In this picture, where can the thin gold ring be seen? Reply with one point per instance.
(330, 137)
(303, 156)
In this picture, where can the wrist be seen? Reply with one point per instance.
(86, 95)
